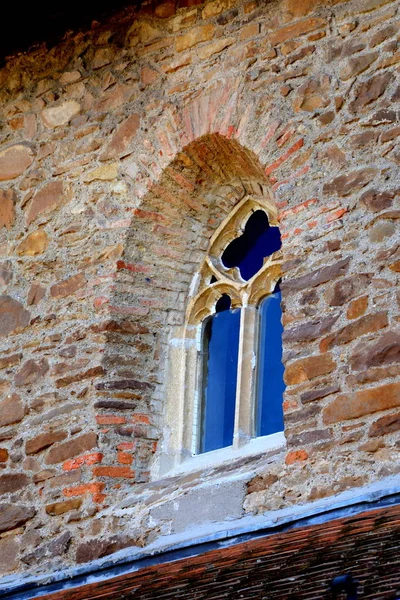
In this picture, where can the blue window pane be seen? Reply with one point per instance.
(220, 361)
(270, 384)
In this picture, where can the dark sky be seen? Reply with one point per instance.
(37, 21)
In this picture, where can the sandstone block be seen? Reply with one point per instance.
(14, 161)
(7, 210)
(370, 90)
(353, 405)
(105, 173)
(294, 30)
(59, 508)
(56, 116)
(309, 331)
(376, 201)
(357, 65)
(13, 515)
(3, 455)
(308, 368)
(261, 482)
(316, 277)
(12, 482)
(346, 289)
(10, 360)
(71, 448)
(350, 183)
(385, 425)
(68, 286)
(357, 308)
(9, 549)
(89, 374)
(36, 294)
(31, 372)
(12, 410)
(216, 7)
(214, 47)
(35, 243)
(199, 34)
(366, 324)
(122, 137)
(384, 351)
(44, 440)
(313, 395)
(12, 315)
(51, 196)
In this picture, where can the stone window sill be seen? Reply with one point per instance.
(217, 458)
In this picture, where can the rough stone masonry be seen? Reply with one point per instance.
(122, 149)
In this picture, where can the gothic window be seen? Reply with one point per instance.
(237, 310)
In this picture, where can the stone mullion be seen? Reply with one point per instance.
(244, 418)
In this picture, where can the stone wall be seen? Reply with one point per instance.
(122, 150)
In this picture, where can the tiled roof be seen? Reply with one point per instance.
(297, 564)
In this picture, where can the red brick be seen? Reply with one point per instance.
(86, 488)
(88, 459)
(124, 472)
(110, 420)
(296, 456)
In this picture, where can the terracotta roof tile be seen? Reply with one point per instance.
(297, 564)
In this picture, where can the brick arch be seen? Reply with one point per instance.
(164, 248)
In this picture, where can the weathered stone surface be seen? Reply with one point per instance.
(14, 161)
(31, 372)
(72, 447)
(350, 183)
(44, 440)
(311, 437)
(308, 368)
(357, 65)
(36, 294)
(358, 404)
(7, 208)
(357, 308)
(3, 455)
(346, 289)
(35, 243)
(366, 324)
(295, 30)
(98, 547)
(12, 315)
(12, 410)
(319, 393)
(89, 374)
(10, 360)
(122, 137)
(6, 272)
(261, 482)
(214, 8)
(202, 33)
(59, 508)
(369, 91)
(385, 425)
(13, 515)
(56, 116)
(313, 95)
(384, 351)
(55, 547)
(104, 173)
(12, 482)
(316, 277)
(51, 196)
(68, 286)
(309, 331)
(9, 549)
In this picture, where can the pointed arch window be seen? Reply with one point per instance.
(237, 310)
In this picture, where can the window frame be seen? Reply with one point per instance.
(185, 361)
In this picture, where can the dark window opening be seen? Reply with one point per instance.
(248, 251)
(224, 303)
